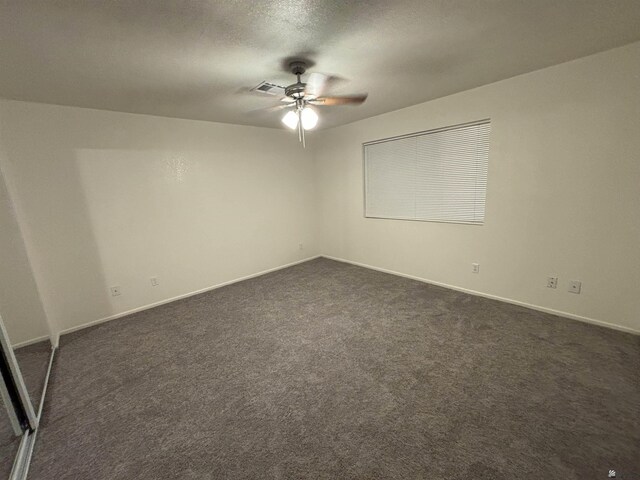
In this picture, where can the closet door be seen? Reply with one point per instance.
(11, 425)
(17, 416)
(25, 346)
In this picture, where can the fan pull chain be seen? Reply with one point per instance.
(300, 129)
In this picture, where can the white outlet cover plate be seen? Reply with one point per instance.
(575, 286)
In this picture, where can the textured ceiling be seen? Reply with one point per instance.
(192, 59)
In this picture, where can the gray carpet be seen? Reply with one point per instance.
(8, 444)
(33, 361)
(331, 371)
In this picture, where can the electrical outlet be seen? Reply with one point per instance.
(475, 267)
(552, 282)
(115, 291)
(575, 286)
(154, 281)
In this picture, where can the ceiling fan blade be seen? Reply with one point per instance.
(318, 84)
(272, 108)
(340, 100)
(277, 92)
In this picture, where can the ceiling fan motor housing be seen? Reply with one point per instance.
(298, 67)
(296, 90)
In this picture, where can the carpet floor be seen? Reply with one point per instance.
(329, 371)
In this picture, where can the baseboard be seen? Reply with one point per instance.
(26, 343)
(493, 297)
(173, 299)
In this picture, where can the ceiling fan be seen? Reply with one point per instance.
(298, 98)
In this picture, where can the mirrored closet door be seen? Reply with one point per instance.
(25, 345)
(11, 423)
(24, 371)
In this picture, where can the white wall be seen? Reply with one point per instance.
(108, 198)
(563, 191)
(20, 306)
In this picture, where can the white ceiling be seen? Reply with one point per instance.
(191, 59)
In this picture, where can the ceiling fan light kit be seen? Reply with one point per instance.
(307, 117)
(299, 96)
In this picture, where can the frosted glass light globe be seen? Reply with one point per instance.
(291, 119)
(309, 118)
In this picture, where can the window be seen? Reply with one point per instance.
(439, 175)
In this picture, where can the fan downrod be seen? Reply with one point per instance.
(296, 90)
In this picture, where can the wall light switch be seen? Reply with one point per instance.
(154, 281)
(575, 286)
(475, 267)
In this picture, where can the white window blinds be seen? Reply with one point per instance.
(439, 175)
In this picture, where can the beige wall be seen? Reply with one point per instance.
(563, 191)
(108, 198)
(20, 305)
